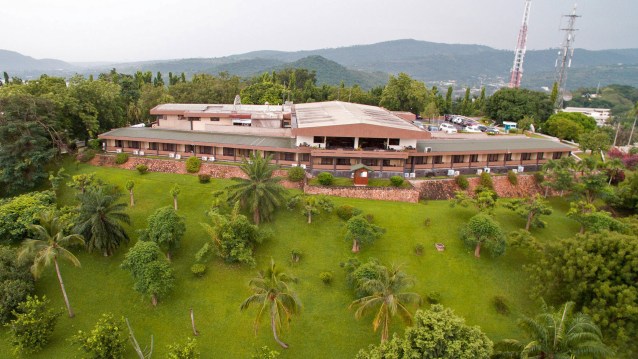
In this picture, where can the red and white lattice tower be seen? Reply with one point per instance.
(519, 53)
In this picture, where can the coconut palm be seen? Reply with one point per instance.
(614, 167)
(274, 297)
(261, 193)
(561, 334)
(386, 299)
(100, 220)
(48, 247)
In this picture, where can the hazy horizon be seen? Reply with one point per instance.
(125, 31)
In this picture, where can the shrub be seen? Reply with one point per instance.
(31, 329)
(500, 304)
(16, 282)
(198, 269)
(86, 155)
(369, 217)
(346, 212)
(486, 181)
(95, 144)
(185, 350)
(418, 249)
(397, 181)
(325, 178)
(427, 221)
(433, 297)
(142, 169)
(296, 174)
(204, 178)
(539, 177)
(105, 340)
(512, 177)
(462, 182)
(121, 158)
(295, 255)
(193, 164)
(326, 277)
(633, 151)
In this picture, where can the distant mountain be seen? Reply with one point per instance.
(17, 64)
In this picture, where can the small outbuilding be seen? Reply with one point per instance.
(361, 174)
(509, 125)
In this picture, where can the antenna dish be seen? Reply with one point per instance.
(567, 96)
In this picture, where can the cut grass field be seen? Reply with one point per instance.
(325, 328)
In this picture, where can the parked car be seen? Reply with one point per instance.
(433, 128)
(493, 130)
(457, 120)
(482, 128)
(447, 128)
(473, 128)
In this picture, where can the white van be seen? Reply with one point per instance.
(447, 128)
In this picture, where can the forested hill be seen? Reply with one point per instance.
(13, 62)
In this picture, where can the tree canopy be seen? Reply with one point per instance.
(514, 104)
(166, 228)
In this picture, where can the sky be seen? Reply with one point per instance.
(135, 30)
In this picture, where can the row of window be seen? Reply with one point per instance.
(495, 157)
(322, 139)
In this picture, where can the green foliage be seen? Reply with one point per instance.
(105, 341)
(296, 174)
(362, 232)
(397, 181)
(433, 297)
(484, 199)
(121, 158)
(325, 178)
(539, 178)
(515, 104)
(500, 304)
(437, 334)
(142, 169)
(86, 155)
(595, 141)
(326, 277)
(462, 182)
(485, 181)
(16, 282)
(185, 350)
(598, 270)
(311, 205)
(358, 273)
(166, 228)
(265, 353)
(33, 325)
(531, 209)
(204, 178)
(512, 177)
(82, 182)
(198, 269)
(95, 144)
(17, 213)
(593, 220)
(418, 249)
(57, 179)
(402, 93)
(193, 164)
(483, 230)
(151, 272)
(346, 212)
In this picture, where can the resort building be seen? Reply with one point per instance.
(324, 136)
(601, 115)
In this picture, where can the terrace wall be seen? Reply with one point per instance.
(445, 188)
(376, 193)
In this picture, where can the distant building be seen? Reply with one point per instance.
(601, 115)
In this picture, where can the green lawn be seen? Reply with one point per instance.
(325, 328)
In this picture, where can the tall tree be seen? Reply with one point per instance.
(483, 230)
(531, 209)
(272, 293)
(48, 247)
(175, 190)
(561, 334)
(311, 205)
(166, 228)
(101, 220)
(260, 193)
(130, 184)
(361, 231)
(151, 272)
(387, 299)
(402, 93)
(513, 104)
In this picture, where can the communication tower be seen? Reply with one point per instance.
(521, 46)
(564, 60)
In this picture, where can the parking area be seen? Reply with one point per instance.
(454, 124)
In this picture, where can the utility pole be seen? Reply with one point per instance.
(565, 55)
(521, 46)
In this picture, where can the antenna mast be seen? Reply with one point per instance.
(521, 46)
(564, 60)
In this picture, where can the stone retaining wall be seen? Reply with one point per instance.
(376, 193)
(445, 188)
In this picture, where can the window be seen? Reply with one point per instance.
(229, 151)
(492, 157)
(370, 161)
(343, 161)
(118, 143)
(289, 156)
(318, 139)
(168, 147)
(326, 161)
(134, 144)
(194, 119)
(207, 150)
(152, 146)
(473, 158)
(437, 160)
(540, 155)
(189, 148)
(305, 157)
(387, 163)
(526, 156)
(458, 159)
(508, 157)
(557, 155)
(420, 160)
(394, 142)
(214, 119)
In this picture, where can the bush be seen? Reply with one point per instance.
(296, 174)
(433, 297)
(397, 181)
(31, 329)
(198, 269)
(369, 217)
(16, 282)
(500, 304)
(105, 340)
(204, 178)
(86, 155)
(325, 178)
(539, 177)
(142, 169)
(462, 182)
(486, 181)
(346, 212)
(193, 164)
(633, 151)
(185, 350)
(427, 221)
(326, 277)
(121, 158)
(95, 144)
(295, 255)
(512, 177)
(418, 249)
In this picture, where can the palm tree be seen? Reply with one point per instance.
(559, 334)
(614, 167)
(272, 293)
(49, 247)
(100, 220)
(388, 298)
(260, 192)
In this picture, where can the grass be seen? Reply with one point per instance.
(325, 328)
